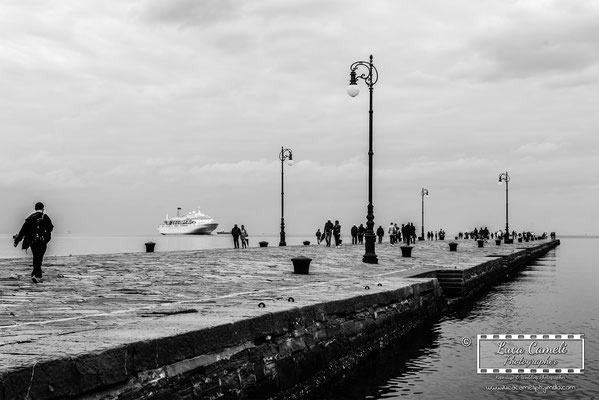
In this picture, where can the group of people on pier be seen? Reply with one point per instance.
(407, 232)
(485, 234)
(240, 233)
(436, 235)
(330, 230)
(404, 234)
(357, 234)
(482, 233)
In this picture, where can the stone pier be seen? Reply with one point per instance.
(224, 323)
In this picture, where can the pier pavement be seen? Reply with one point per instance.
(93, 303)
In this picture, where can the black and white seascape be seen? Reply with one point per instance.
(464, 120)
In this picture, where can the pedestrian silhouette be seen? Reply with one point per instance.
(35, 233)
(236, 232)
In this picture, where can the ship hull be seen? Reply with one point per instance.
(192, 229)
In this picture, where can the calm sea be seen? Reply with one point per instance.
(69, 244)
(557, 294)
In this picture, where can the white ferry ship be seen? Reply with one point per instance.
(193, 223)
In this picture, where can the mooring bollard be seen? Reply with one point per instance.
(453, 246)
(301, 265)
(306, 243)
(150, 247)
(406, 251)
(481, 243)
(263, 244)
(498, 242)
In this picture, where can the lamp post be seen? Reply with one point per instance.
(505, 178)
(285, 154)
(423, 192)
(370, 77)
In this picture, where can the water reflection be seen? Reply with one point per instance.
(388, 372)
(552, 295)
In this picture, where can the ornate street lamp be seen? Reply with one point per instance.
(285, 154)
(371, 76)
(423, 192)
(505, 178)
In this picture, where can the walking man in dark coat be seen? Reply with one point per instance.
(36, 232)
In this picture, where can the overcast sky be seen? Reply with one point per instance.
(114, 113)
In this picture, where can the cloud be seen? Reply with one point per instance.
(55, 179)
(582, 79)
(537, 148)
(533, 39)
(173, 101)
(423, 79)
(187, 13)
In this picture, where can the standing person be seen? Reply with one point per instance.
(328, 231)
(236, 232)
(392, 232)
(318, 236)
(354, 234)
(36, 232)
(244, 237)
(361, 231)
(380, 232)
(337, 233)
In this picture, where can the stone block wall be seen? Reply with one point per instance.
(287, 351)
(275, 353)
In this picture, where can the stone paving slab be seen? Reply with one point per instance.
(96, 303)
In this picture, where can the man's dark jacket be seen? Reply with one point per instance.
(28, 229)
